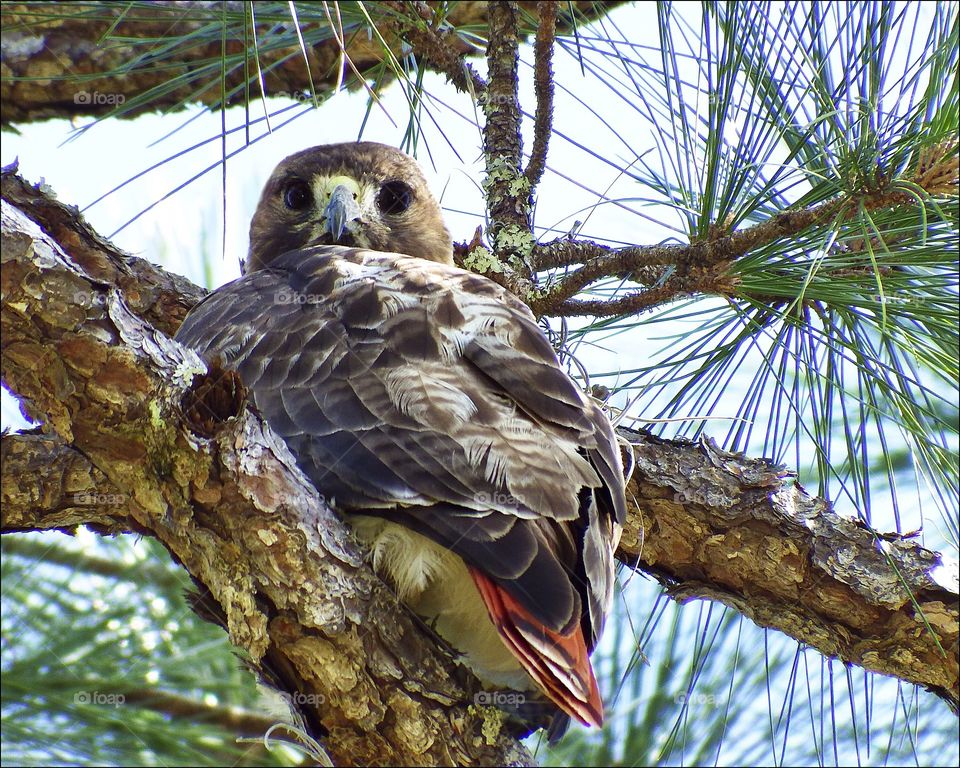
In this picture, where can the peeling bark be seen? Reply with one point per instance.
(717, 525)
(242, 519)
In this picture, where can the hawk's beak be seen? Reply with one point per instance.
(341, 209)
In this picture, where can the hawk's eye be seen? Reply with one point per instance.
(394, 197)
(297, 195)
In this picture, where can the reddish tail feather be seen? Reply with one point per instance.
(559, 664)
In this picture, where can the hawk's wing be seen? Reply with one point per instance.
(428, 395)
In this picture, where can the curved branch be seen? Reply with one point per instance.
(702, 266)
(717, 525)
(695, 259)
(543, 86)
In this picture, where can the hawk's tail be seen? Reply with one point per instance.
(558, 663)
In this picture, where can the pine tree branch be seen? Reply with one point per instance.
(505, 187)
(64, 60)
(244, 724)
(438, 47)
(50, 485)
(714, 525)
(711, 524)
(701, 266)
(150, 572)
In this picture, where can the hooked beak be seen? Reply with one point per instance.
(341, 209)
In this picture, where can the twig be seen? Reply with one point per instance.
(632, 303)
(599, 261)
(715, 280)
(543, 86)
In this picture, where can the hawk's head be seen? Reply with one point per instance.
(364, 194)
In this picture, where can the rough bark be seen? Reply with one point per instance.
(64, 60)
(81, 342)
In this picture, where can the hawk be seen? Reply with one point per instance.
(426, 405)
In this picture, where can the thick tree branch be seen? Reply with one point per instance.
(709, 524)
(715, 525)
(70, 59)
(712, 524)
(44, 479)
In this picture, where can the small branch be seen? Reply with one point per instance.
(566, 252)
(231, 719)
(631, 303)
(936, 174)
(153, 572)
(715, 280)
(543, 87)
(699, 258)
